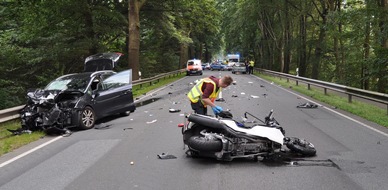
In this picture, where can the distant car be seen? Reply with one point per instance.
(239, 68)
(205, 66)
(217, 66)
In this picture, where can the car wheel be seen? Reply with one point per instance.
(88, 118)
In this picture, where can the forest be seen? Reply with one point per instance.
(339, 41)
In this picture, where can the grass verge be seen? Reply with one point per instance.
(369, 112)
(10, 142)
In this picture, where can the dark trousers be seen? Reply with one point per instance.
(250, 70)
(199, 108)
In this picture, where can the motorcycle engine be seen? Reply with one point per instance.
(243, 146)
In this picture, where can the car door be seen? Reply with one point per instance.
(115, 94)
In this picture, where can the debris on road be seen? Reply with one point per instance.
(164, 156)
(220, 100)
(252, 96)
(234, 96)
(153, 121)
(127, 128)
(174, 110)
(307, 105)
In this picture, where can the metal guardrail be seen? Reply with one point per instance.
(13, 113)
(349, 91)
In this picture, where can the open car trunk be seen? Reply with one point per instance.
(101, 61)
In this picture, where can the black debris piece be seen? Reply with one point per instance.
(261, 85)
(234, 96)
(220, 100)
(170, 93)
(174, 110)
(164, 156)
(127, 128)
(307, 105)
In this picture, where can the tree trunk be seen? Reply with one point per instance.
(287, 41)
(320, 43)
(303, 46)
(184, 55)
(383, 52)
(134, 36)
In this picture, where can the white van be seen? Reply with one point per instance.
(194, 66)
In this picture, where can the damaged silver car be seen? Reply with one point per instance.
(78, 100)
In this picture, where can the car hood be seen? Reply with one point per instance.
(41, 96)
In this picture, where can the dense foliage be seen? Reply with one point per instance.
(339, 41)
(42, 40)
(333, 40)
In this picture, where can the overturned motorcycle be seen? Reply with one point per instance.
(226, 139)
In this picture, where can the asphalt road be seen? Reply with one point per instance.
(121, 152)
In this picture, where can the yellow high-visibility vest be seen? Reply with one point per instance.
(195, 93)
(251, 63)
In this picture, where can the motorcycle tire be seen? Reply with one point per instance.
(207, 145)
(301, 146)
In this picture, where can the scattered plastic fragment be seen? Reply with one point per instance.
(234, 82)
(132, 163)
(220, 100)
(250, 82)
(252, 96)
(127, 128)
(153, 121)
(262, 86)
(234, 96)
(174, 110)
(242, 93)
(164, 156)
(307, 105)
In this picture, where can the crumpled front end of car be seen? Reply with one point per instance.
(50, 111)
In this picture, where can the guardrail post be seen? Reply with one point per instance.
(288, 80)
(325, 90)
(296, 82)
(349, 98)
(308, 86)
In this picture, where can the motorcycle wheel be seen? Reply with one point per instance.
(301, 146)
(203, 144)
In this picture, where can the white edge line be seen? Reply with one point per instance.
(345, 116)
(57, 138)
(28, 152)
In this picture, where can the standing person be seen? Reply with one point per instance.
(251, 64)
(205, 92)
(246, 66)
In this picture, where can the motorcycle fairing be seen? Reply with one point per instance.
(272, 134)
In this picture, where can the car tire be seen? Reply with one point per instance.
(87, 118)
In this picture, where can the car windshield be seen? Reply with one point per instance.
(73, 82)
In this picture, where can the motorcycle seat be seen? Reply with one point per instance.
(205, 121)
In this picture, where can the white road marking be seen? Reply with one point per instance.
(28, 152)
